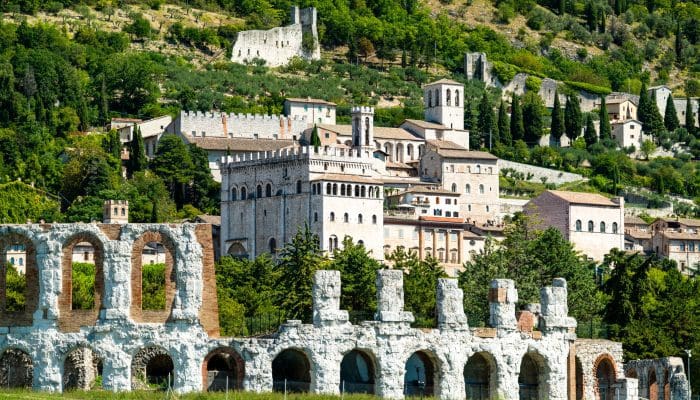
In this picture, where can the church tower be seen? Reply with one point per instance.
(362, 127)
(444, 103)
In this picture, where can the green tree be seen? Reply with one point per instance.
(153, 287)
(315, 139)
(83, 286)
(690, 117)
(112, 144)
(298, 261)
(137, 153)
(532, 113)
(590, 134)
(204, 192)
(252, 284)
(504, 125)
(517, 128)
(605, 129)
(16, 286)
(358, 272)
(139, 28)
(648, 147)
(132, 81)
(572, 118)
(173, 164)
(557, 126)
(648, 114)
(485, 120)
(671, 121)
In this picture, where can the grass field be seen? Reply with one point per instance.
(140, 395)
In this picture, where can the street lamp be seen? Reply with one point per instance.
(689, 352)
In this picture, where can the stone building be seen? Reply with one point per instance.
(637, 235)
(51, 347)
(660, 379)
(592, 223)
(315, 111)
(678, 240)
(629, 133)
(277, 46)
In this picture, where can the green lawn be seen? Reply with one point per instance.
(140, 395)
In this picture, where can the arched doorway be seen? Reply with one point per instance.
(223, 369)
(357, 373)
(152, 367)
(16, 369)
(605, 379)
(579, 380)
(419, 375)
(479, 376)
(530, 379)
(653, 385)
(291, 371)
(81, 370)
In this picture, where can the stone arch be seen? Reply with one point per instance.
(150, 366)
(358, 372)
(421, 374)
(223, 368)
(580, 384)
(291, 370)
(16, 369)
(399, 152)
(268, 190)
(138, 314)
(389, 150)
(234, 194)
(81, 368)
(236, 250)
(244, 193)
(12, 314)
(532, 379)
(653, 385)
(605, 375)
(480, 376)
(71, 316)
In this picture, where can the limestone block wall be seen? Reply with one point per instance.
(660, 378)
(249, 126)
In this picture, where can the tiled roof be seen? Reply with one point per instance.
(634, 220)
(681, 235)
(238, 144)
(583, 198)
(431, 218)
(638, 234)
(379, 132)
(443, 81)
(475, 155)
(429, 190)
(309, 100)
(425, 124)
(209, 219)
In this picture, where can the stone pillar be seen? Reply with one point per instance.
(46, 367)
(116, 371)
(555, 309)
(325, 373)
(450, 306)
(502, 299)
(680, 389)
(390, 297)
(390, 383)
(117, 281)
(188, 270)
(326, 299)
(188, 369)
(48, 264)
(628, 389)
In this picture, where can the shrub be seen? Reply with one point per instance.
(504, 72)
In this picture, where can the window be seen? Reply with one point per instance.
(374, 220)
(359, 218)
(454, 188)
(400, 233)
(602, 226)
(357, 191)
(456, 98)
(335, 189)
(487, 209)
(437, 98)
(437, 200)
(244, 193)
(346, 218)
(448, 101)
(468, 189)
(590, 226)
(430, 98)
(268, 190)
(272, 243)
(259, 191)
(315, 217)
(328, 188)
(455, 214)
(682, 246)
(481, 189)
(691, 247)
(313, 189)
(614, 227)
(478, 169)
(299, 187)
(342, 190)
(448, 201)
(578, 225)
(123, 212)
(234, 194)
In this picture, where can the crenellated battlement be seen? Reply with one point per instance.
(362, 110)
(331, 154)
(232, 117)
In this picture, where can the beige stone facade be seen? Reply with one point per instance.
(678, 240)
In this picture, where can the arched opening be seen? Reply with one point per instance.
(357, 190)
(82, 280)
(258, 191)
(653, 385)
(82, 370)
(244, 193)
(272, 244)
(268, 190)
(480, 376)
(16, 369)
(19, 284)
(291, 371)
(234, 194)
(409, 152)
(389, 150)
(237, 251)
(328, 188)
(399, 152)
(448, 100)
(298, 187)
(357, 373)
(579, 380)
(531, 378)
(223, 369)
(342, 190)
(152, 367)
(419, 376)
(456, 98)
(153, 283)
(605, 379)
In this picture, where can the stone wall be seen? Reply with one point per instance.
(552, 175)
(249, 126)
(660, 378)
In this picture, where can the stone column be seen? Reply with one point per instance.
(188, 369)
(555, 309)
(46, 375)
(325, 373)
(116, 299)
(502, 299)
(390, 383)
(116, 371)
(450, 306)
(390, 297)
(326, 299)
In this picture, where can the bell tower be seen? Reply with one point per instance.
(362, 127)
(444, 103)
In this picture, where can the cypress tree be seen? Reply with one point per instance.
(557, 126)
(572, 118)
(504, 125)
(532, 113)
(591, 16)
(689, 117)
(605, 130)
(485, 120)
(517, 128)
(670, 117)
(114, 144)
(315, 139)
(137, 153)
(648, 114)
(590, 134)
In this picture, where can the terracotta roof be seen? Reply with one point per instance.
(583, 198)
(617, 100)
(424, 124)
(238, 144)
(347, 178)
(379, 132)
(126, 120)
(209, 219)
(397, 165)
(443, 81)
(440, 219)
(429, 190)
(444, 144)
(681, 235)
(683, 221)
(634, 220)
(309, 100)
(478, 155)
(638, 234)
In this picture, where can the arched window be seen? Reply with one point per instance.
(478, 169)
(454, 188)
(313, 189)
(258, 191)
(371, 191)
(346, 218)
(299, 187)
(437, 98)
(590, 226)
(456, 98)
(357, 190)
(449, 99)
(468, 189)
(602, 226)
(234, 194)
(374, 220)
(481, 189)
(335, 189)
(244, 193)
(272, 244)
(342, 190)
(359, 218)
(430, 98)
(332, 216)
(268, 190)
(315, 217)
(614, 227)
(367, 141)
(376, 192)
(578, 225)
(328, 188)
(363, 191)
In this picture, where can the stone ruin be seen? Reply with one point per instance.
(121, 346)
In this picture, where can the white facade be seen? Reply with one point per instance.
(444, 103)
(314, 111)
(628, 133)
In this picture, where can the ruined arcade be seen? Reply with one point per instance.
(52, 347)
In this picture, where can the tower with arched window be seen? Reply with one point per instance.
(444, 103)
(362, 127)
